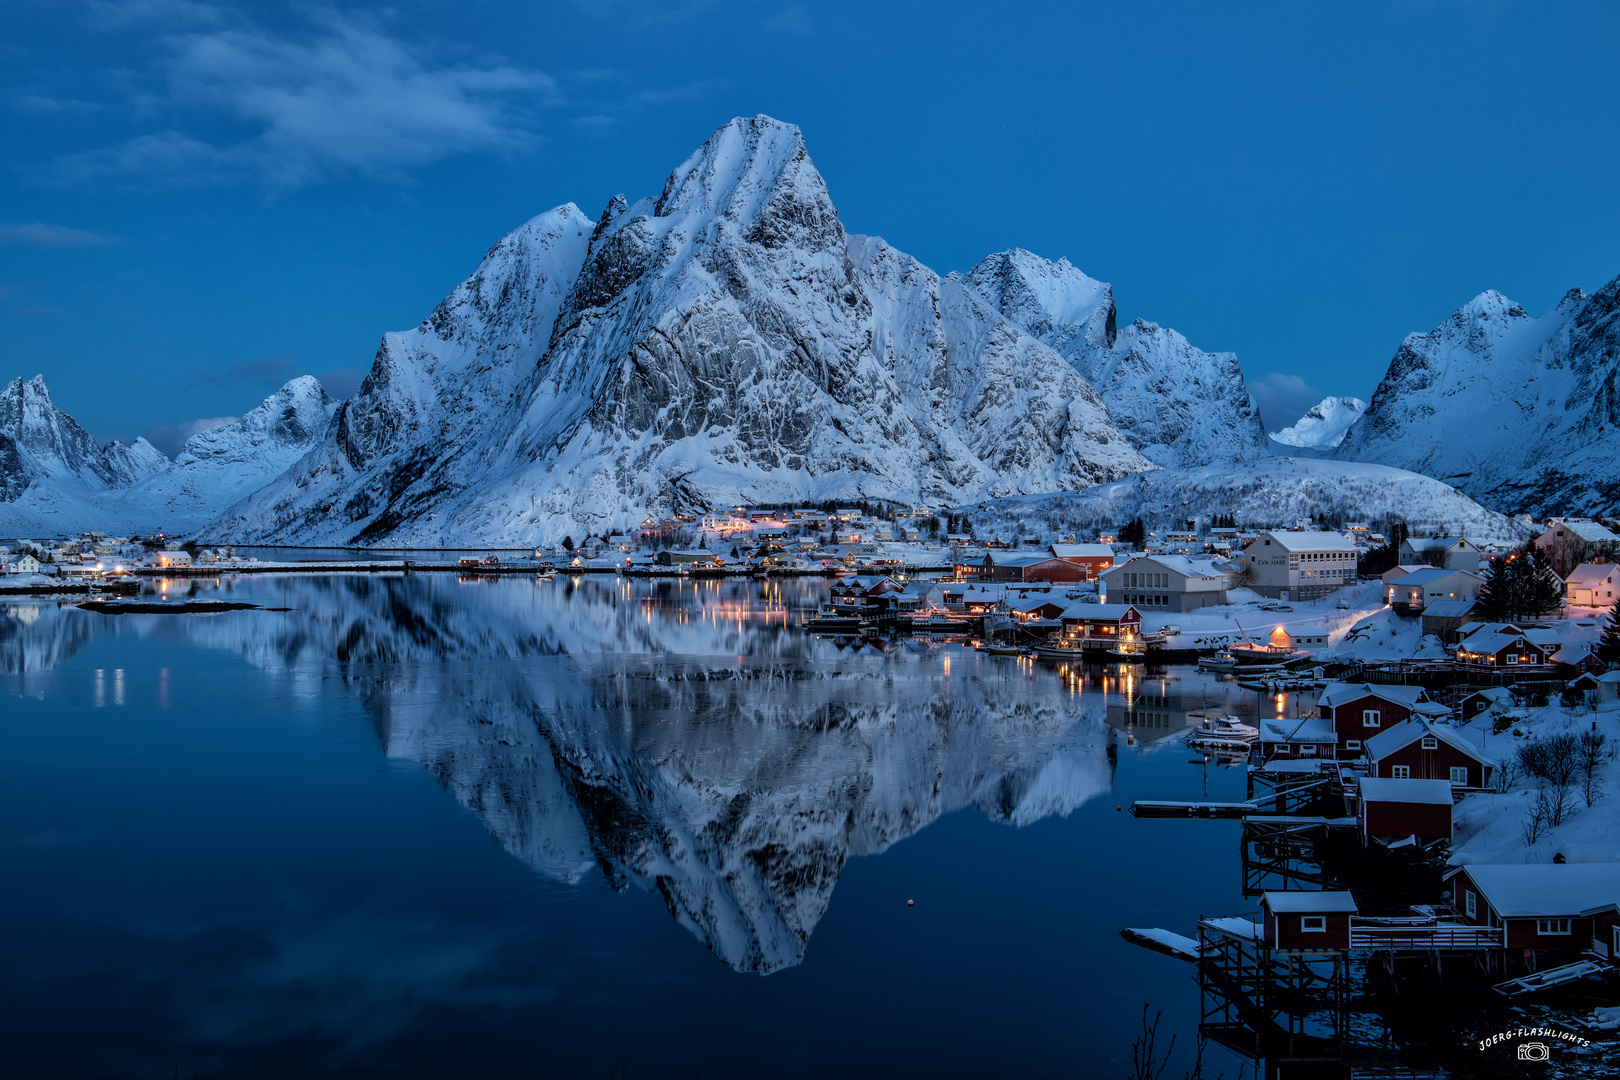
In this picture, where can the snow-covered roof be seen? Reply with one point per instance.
(1110, 612)
(1571, 655)
(1407, 732)
(1492, 693)
(1610, 677)
(1181, 564)
(1588, 575)
(1488, 642)
(1435, 543)
(1295, 730)
(1448, 609)
(1016, 558)
(1428, 576)
(1430, 792)
(1547, 890)
(1341, 692)
(1313, 541)
(1309, 903)
(1590, 531)
(1082, 551)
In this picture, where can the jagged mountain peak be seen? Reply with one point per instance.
(294, 418)
(1324, 424)
(1046, 297)
(48, 443)
(725, 343)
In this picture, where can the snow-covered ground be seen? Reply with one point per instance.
(1489, 828)
(1263, 493)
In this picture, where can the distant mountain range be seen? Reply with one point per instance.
(728, 342)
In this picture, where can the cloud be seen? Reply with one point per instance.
(171, 437)
(1282, 398)
(342, 98)
(341, 382)
(268, 371)
(52, 236)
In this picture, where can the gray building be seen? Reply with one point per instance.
(1165, 583)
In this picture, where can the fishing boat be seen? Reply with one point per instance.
(833, 620)
(1223, 663)
(1223, 735)
(1006, 650)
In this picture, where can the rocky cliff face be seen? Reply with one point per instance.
(1521, 412)
(1176, 404)
(726, 342)
(39, 441)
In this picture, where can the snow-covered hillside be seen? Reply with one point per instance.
(54, 479)
(1178, 405)
(1269, 492)
(1324, 425)
(1521, 412)
(727, 342)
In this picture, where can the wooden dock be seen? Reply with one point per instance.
(1153, 808)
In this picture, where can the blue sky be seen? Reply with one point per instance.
(198, 201)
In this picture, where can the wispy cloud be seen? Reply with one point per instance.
(170, 438)
(267, 371)
(52, 236)
(343, 97)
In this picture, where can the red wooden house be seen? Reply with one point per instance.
(1089, 559)
(1307, 921)
(1115, 621)
(1415, 750)
(1498, 648)
(1564, 907)
(1388, 808)
(1359, 711)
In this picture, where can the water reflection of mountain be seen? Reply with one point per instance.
(34, 638)
(697, 746)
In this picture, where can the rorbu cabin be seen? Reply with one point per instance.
(1394, 809)
(1360, 711)
(1561, 907)
(1307, 921)
(1413, 750)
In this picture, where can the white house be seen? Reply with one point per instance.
(1165, 583)
(1593, 585)
(1455, 552)
(1413, 592)
(23, 564)
(1299, 565)
(1583, 537)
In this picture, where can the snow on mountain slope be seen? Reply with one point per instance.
(1268, 492)
(725, 343)
(1521, 412)
(68, 484)
(43, 442)
(223, 464)
(1324, 425)
(1178, 405)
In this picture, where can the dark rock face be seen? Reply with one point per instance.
(724, 343)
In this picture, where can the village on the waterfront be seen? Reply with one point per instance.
(1437, 806)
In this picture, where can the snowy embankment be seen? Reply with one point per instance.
(1492, 828)
(1260, 493)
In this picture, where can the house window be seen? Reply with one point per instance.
(1430, 742)
(1370, 718)
(1400, 772)
(1459, 776)
(1313, 924)
(1352, 744)
(1470, 903)
(1552, 926)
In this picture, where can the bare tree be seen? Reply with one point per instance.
(1565, 553)
(1589, 760)
(1535, 823)
(1554, 761)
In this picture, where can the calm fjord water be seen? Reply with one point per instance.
(418, 826)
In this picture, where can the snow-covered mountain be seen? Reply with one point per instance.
(221, 465)
(1266, 492)
(38, 441)
(1521, 412)
(1324, 425)
(725, 343)
(55, 479)
(1178, 405)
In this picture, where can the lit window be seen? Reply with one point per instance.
(1313, 924)
(1552, 926)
